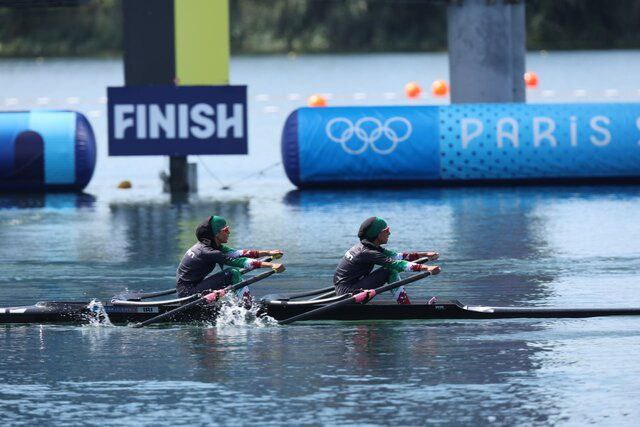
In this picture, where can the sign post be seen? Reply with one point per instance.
(175, 43)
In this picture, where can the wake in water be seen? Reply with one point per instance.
(97, 316)
(232, 312)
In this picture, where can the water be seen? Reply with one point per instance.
(543, 246)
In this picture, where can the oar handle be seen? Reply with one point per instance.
(148, 295)
(402, 282)
(369, 294)
(216, 295)
(263, 259)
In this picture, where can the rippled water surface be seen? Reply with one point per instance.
(543, 246)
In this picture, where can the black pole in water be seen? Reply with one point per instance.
(489, 68)
(150, 59)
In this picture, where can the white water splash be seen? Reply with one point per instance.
(97, 316)
(232, 312)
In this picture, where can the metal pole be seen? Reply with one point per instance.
(486, 50)
(150, 59)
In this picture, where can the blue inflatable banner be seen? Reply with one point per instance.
(466, 142)
(45, 150)
(177, 120)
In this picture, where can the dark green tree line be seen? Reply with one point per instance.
(94, 27)
(91, 28)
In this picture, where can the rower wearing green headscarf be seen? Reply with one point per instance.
(211, 250)
(354, 271)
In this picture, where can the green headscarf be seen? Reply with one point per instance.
(377, 225)
(217, 223)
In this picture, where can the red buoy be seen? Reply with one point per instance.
(531, 80)
(412, 90)
(439, 88)
(317, 100)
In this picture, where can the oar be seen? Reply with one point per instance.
(205, 299)
(363, 296)
(138, 296)
(324, 291)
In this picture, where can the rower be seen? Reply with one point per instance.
(354, 270)
(202, 258)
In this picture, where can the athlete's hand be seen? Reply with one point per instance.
(278, 268)
(432, 255)
(276, 253)
(433, 269)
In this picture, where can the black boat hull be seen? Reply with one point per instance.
(78, 312)
(443, 311)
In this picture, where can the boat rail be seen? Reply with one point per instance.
(154, 303)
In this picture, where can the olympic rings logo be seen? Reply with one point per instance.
(368, 132)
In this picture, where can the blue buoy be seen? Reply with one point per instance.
(45, 151)
(464, 143)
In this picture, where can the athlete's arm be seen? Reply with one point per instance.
(412, 256)
(398, 264)
(250, 253)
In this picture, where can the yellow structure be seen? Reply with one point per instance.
(201, 42)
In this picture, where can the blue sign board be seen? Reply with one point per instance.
(462, 142)
(177, 120)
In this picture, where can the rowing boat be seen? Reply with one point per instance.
(124, 312)
(140, 308)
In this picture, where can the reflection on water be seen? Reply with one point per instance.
(475, 230)
(46, 200)
(64, 250)
(529, 246)
(547, 246)
(332, 372)
(498, 246)
(162, 232)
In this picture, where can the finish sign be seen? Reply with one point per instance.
(177, 120)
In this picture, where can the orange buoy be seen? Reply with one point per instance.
(412, 90)
(124, 185)
(531, 79)
(439, 88)
(317, 100)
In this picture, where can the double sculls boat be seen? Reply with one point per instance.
(138, 310)
(141, 309)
